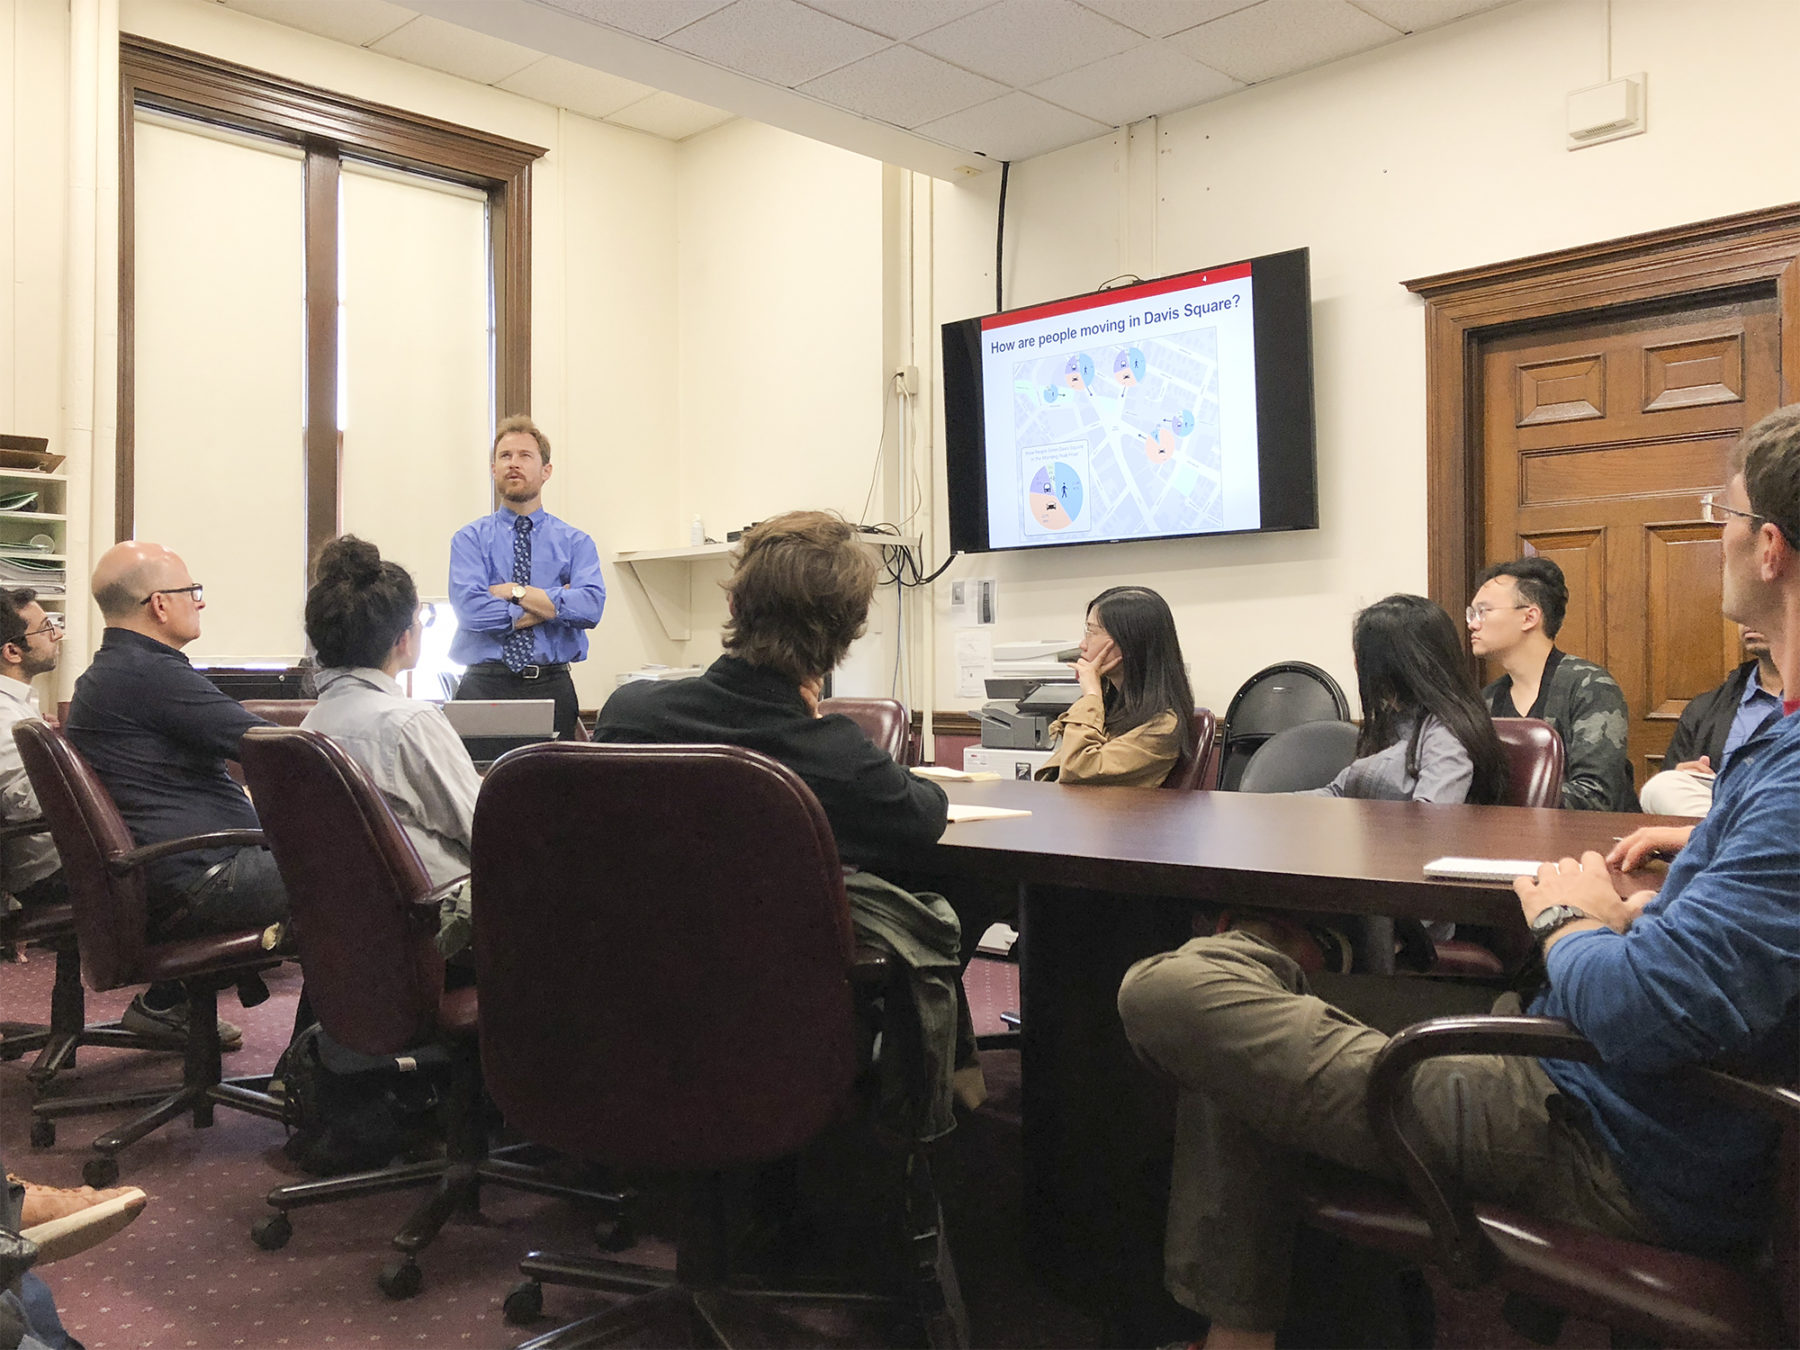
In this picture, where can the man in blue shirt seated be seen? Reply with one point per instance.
(1712, 726)
(526, 586)
(1707, 969)
(157, 733)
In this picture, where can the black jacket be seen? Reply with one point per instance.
(876, 808)
(1706, 721)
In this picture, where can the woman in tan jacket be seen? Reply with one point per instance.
(1134, 716)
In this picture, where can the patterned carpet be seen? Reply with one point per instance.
(187, 1274)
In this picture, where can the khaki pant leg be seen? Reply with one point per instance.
(1676, 792)
(1267, 1072)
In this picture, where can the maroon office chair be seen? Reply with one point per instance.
(365, 919)
(1671, 1297)
(283, 712)
(1534, 766)
(105, 871)
(1190, 770)
(52, 928)
(1534, 761)
(883, 720)
(664, 950)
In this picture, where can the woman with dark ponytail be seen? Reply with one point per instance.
(364, 620)
(1426, 734)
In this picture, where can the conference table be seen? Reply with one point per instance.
(1110, 875)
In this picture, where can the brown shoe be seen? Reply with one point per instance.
(65, 1221)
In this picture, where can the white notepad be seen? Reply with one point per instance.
(962, 811)
(1481, 869)
(943, 773)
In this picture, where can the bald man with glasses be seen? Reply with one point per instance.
(158, 734)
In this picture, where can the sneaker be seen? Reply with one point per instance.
(64, 1222)
(172, 1024)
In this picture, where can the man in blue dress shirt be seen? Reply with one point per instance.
(526, 586)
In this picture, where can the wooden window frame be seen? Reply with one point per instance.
(1758, 250)
(326, 126)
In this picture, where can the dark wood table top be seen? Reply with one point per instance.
(1237, 848)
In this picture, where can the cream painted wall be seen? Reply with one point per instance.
(34, 40)
(781, 378)
(1439, 152)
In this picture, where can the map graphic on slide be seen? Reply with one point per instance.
(1121, 439)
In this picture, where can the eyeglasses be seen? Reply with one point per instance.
(53, 624)
(1475, 616)
(196, 590)
(1094, 632)
(427, 615)
(1714, 511)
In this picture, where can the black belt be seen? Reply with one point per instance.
(523, 673)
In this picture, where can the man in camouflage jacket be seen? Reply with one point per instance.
(1513, 619)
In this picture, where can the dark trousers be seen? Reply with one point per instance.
(492, 680)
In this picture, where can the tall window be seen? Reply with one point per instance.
(324, 308)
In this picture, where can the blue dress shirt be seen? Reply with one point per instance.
(1756, 707)
(564, 565)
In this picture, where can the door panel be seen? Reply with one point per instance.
(1598, 438)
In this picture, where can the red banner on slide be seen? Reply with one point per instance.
(1187, 281)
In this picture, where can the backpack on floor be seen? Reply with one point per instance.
(348, 1112)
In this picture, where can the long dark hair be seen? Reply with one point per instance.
(1410, 666)
(1152, 678)
(358, 605)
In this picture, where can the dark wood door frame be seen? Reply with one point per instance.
(1758, 251)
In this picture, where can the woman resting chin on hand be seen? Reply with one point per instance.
(1133, 719)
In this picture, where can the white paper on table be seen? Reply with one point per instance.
(965, 811)
(1481, 869)
(974, 661)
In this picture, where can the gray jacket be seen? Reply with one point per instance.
(1445, 770)
(415, 757)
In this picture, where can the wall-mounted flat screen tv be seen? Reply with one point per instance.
(1159, 410)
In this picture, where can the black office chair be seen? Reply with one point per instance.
(1300, 758)
(1277, 697)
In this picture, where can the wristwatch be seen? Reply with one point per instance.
(1553, 918)
(518, 594)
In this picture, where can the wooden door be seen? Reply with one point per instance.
(1598, 437)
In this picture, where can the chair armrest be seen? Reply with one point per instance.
(1463, 1248)
(443, 892)
(18, 829)
(868, 966)
(135, 858)
(426, 910)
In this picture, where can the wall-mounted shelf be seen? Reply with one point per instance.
(32, 476)
(664, 575)
(26, 517)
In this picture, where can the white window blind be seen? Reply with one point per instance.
(220, 370)
(416, 374)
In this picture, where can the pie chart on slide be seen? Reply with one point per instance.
(1055, 495)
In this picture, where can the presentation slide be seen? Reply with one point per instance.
(1129, 415)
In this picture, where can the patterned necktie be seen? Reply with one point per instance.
(516, 650)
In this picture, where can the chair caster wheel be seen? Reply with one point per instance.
(614, 1235)
(43, 1132)
(524, 1303)
(271, 1232)
(100, 1172)
(400, 1279)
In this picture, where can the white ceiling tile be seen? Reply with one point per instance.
(670, 116)
(781, 41)
(579, 88)
(456, 51)
(1016, 126)
(646, 18)
(1133, 85)
(1020, 42)
(899, 20)
(902, 87)
(1160, 18)
(1413, 16)
(1279, 37)
(358, 22)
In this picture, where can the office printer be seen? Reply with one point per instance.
(1031, 687)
